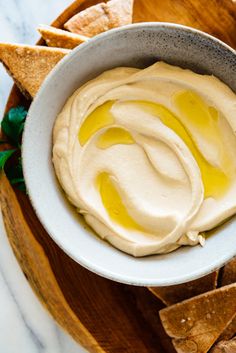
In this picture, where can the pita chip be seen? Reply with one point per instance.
(195, 324)
(29, 65)
(59, 38)
(101, 17)
(89, 22)
(225, 347)
(120, 12)
(174, 294)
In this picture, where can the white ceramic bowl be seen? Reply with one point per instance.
(136, 45)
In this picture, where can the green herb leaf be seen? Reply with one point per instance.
(19, 183)
(4, 156)
(15, 175)
(13, 123)
(12, 126)
(16, 181)
(22, 187)
(15, 171)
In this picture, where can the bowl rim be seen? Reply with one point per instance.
(104, 272)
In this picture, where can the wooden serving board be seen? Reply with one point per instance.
(102, 315)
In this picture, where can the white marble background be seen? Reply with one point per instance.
(25, 326)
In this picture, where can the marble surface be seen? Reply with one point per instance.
(25, 326)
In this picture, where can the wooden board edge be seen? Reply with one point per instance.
(55, 303)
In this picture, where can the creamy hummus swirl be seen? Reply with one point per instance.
(148, 156)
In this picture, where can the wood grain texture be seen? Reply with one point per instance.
(216, 17)
(102, 315)
(37, 269)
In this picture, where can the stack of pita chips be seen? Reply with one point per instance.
(29, 65)
(200, 316)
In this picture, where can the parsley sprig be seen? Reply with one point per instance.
(12, 127)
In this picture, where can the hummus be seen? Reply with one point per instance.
(148, 156)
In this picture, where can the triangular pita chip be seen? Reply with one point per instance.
(29, 65)
(174, 294)
(195, 324)
(89, 22)
(229, 273)
(225, 347)
(101, 17)
(59, 38)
